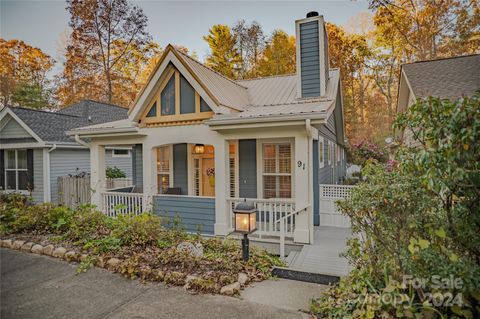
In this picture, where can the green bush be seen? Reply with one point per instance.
(141, 230)
(17, 216)
(115, 172)
(419, 219)
(88, 225)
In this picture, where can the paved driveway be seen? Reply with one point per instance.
(35, 286)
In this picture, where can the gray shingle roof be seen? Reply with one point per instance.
(445, 78)
(98, 112)
(51, 126)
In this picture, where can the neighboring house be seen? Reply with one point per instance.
(35, 151)
(449, 78)
(203, 142)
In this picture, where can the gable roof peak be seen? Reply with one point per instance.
(207, 67)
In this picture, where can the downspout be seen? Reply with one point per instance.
(81, 142)
(308, 128)
(47, 195)
(54, 147)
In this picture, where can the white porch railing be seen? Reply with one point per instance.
(284, 230)
(115, 203)
(269, 211)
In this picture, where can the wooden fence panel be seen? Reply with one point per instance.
(76, 191)
(73, 191)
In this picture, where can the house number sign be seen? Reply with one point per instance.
(301, 164)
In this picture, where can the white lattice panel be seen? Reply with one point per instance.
(329, 213)
(335, 191)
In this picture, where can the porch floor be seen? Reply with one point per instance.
(323, 256)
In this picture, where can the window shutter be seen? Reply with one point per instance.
(2, 169)
(30, 168)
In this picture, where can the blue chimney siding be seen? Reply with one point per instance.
(310, 59)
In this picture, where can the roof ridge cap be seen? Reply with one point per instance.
(210, 69)
(43, 111)
(441, 59)
(98, 102)
(267, 77)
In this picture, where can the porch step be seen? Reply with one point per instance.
(299, 275)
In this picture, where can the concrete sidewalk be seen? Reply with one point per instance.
(35, 286)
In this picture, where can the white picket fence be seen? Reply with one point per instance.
(116, 203)
(329, 214)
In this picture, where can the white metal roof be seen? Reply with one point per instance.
(274, 96)
(277, 96)
(228, 92)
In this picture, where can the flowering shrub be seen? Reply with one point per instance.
(365, 150)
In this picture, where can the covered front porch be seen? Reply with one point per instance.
(194, 177)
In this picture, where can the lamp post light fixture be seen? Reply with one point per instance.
(245, 223)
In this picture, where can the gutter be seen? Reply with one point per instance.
(81, 142)
(103, 131)
(54, 147)
(267, 119)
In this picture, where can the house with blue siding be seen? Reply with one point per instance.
(35, 151)
(202, 143)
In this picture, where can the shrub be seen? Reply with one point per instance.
(140, 230)
(364, 151)
(115, 172)
(418, 218)
(88, 225)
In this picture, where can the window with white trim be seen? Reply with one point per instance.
(164, 155)
(120, 152)
(277, 170)
(329, 153)
(232, 158)
(321, 151)
(16, 170)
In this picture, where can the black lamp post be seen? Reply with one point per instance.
(245, 223)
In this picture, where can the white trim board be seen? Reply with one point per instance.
(7, 110)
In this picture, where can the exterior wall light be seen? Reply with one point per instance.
(199, 149)
(245, 223)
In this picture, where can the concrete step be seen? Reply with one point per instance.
(294, 274)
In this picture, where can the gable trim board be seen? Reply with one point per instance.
(6, 111)
(171, 56)
(180, 85)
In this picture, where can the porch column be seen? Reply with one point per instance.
(97, 174)
(149, 158)
(302, 188)
(221, 212)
